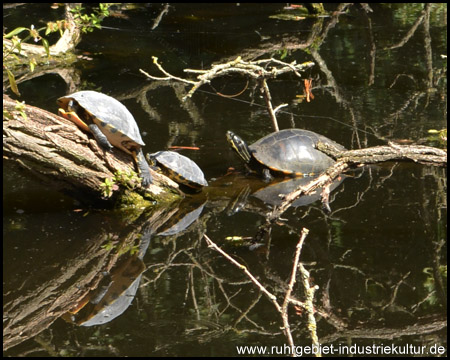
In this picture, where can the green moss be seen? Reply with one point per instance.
(124, 190)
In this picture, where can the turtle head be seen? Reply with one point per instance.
(240, 146)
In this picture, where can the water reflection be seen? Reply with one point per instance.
(379, 258)
(253, 194)
(272, 194)
(183, 217)
(115, 292)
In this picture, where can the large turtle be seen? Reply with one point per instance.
(287, 152)
(109, 121)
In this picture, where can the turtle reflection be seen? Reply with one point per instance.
(273, 193)
(186, 214)
(115, 292)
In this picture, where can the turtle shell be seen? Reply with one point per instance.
(179, 168)
(112, 117)
(293, 152)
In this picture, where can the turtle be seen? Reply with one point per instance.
(109, 121)
(179, 168)
(289, 152)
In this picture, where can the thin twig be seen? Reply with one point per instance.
(287, 297)
(309, 297)
(272, 297)
(279, 107)
(250, 69)
(158, 19)
(267, 97)
(247, 69)
(283, 309)
(168, 76)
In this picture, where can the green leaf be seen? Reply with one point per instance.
(12, 82)
(46, 46)
(15, 32)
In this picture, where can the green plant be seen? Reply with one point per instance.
(88, 23)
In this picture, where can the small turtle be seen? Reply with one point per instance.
(287, 152)
(109, 121)
(179, 168)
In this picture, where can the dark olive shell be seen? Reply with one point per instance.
(110, 115)
(292, 151)
(179, 167)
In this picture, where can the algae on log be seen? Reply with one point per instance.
(58, 152)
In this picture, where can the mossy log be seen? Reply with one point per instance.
(59, 153)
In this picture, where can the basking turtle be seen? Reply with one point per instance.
(109, 121)
(179, 168)
(287, 152)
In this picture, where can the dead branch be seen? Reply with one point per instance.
(252, 69)
(308, 292)
(426, 155)
(351, 158)
(272, 297)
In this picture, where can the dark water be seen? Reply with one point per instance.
(379, 258)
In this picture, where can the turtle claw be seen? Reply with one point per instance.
(267, 176)
(147, 180)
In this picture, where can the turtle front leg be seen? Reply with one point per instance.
(144, 169)
(100, 137)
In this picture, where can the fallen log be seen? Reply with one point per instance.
(57, 152)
